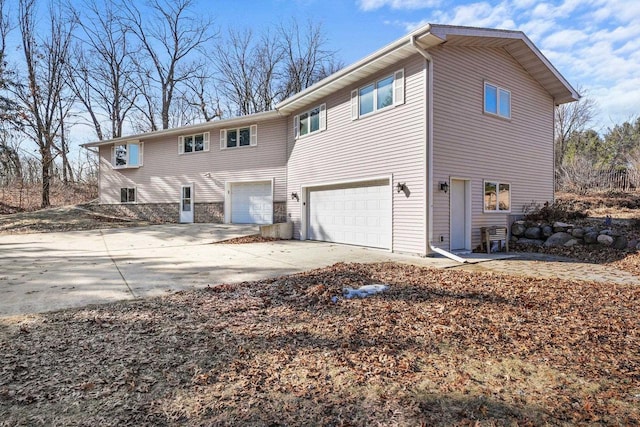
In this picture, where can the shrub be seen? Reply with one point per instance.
(558, 211)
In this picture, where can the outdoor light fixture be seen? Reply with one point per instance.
(294, 196)
(444, 186)
(401, 186)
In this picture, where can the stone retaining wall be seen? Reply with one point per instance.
(563, 234)
(170, 212)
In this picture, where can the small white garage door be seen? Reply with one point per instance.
(357, 214)
(251, 203)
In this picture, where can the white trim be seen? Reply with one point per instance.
(253, 137)
(322, 121)
(497, 182)
(394, 87)
(205, 143)
(304, 208)
(498, 89)
(128, 150)
(191, 187)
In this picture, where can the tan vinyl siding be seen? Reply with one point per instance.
(471, 144)
(387, 143)
(164, 170)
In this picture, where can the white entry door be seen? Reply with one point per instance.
(356, 214)
(460, 215)
(186, 203)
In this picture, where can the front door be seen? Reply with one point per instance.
(186, 203)
(460, 215)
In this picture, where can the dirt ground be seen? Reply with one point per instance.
(65, 218)
(440, 347)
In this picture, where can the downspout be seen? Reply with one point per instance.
(429, 155)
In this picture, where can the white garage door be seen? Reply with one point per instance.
(358, 214)
(251, 203)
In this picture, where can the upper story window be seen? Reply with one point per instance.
(376, 96)
(311, 121)
(497, 196)
(497, 100)
(127, 155)
(240, 137)
(193, 143)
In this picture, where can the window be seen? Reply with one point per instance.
(311, 121)
(497, 101)
(240, 137)
(497, 196)
(127, 195)
(193, 143)
(127, 155)
(378, 95)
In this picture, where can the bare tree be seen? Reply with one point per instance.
(248, 71)
(255, 73)
(570, 119)
(169, 38)
(43, 97)
(306, 58)
(101, 74)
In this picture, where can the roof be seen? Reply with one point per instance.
(516, 43)
(196, 128)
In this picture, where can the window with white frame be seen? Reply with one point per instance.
(239, 137)
(497, 196)
(127, 195)
(311, 121)
(198, 142)
(378, 95)
(497, 100)
(127, 155)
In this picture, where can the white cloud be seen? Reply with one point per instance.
(478, 15)
(564, 39)
(368, 5)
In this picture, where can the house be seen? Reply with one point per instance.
(412, 149)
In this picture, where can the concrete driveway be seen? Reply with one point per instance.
(50, 271)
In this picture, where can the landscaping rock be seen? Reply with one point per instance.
(533, 233)
(547, 231)
(605, 240)
(578, 233)
(620, 243)
(591, 237)
(558, 239)
(572, 242)
(518, 228)
(561, 226)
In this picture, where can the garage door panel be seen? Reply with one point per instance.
(251, 203)
(359, 215)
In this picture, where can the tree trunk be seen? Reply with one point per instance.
(46, 177)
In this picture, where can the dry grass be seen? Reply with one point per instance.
(600, 204)
(28, 197)
(439, 348)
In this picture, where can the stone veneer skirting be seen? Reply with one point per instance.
(170, 212)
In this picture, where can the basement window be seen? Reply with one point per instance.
(127, 195)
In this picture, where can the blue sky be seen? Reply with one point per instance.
(595, 44)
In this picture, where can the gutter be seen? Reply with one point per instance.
(429, 154)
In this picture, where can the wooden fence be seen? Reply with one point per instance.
(592, 179)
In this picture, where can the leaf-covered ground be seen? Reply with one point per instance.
(441, 347)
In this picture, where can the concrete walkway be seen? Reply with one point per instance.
(51, 271)
(549, 266)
